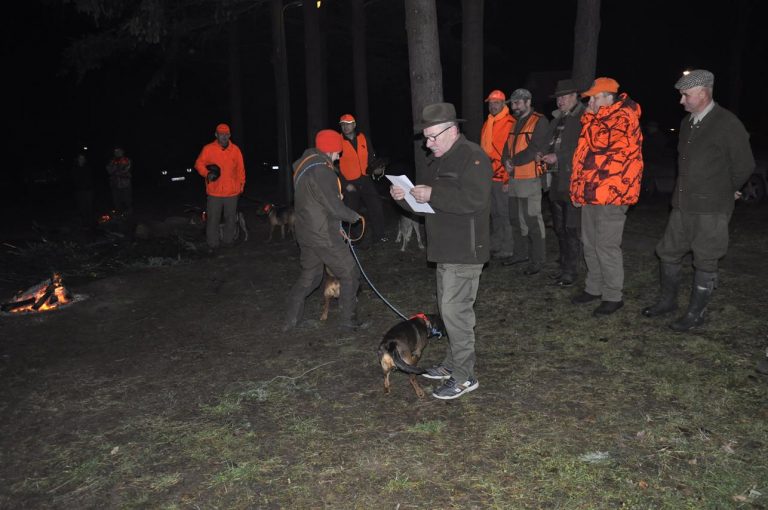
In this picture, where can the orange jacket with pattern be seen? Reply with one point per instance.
(492, 139)
(354, 163)
(518, 142)
(232, 179)
(608, 162)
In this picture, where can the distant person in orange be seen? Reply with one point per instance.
(221, 164)
(119, 170)
(493, 137)
(607, 169)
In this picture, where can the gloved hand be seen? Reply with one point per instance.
(214, 172)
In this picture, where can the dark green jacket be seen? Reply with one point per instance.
(561, 179)
(317, 204)
(459, 231)
(714, 161)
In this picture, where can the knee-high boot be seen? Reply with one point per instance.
(703, 285)
(670, 283)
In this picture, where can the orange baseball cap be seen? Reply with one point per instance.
(346, 119)
(496, 95)
(602, 85)
(222, 128)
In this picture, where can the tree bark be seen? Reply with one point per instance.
(738, 44)
(282, 93)
(472, 68)
(316, 74)
(235, 88)
(586, 35)
(424, 64)
(360, 67)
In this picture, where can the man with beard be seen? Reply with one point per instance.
(493, 137)
(527, 139)
(566, 219)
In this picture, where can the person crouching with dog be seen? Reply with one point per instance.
(457, 185)
(319, 211)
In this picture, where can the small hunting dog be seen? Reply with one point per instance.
(280, 216)
(404, 344)
(405, 229)
(331, 290)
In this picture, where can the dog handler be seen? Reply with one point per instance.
(319, 212)
(457, 185)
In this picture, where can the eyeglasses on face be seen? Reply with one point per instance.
(433, 138)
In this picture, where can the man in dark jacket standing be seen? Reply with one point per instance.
(563, 137)
(457, 185)
(319, 212)
(714, 161)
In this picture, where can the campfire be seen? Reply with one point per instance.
(46, 295)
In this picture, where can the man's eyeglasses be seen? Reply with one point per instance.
(433, 138)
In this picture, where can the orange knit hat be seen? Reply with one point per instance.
(328, 141)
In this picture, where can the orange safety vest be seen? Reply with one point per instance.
(517, 143)
(493, 136)
(354, 164)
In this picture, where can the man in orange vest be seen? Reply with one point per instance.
(527, 139)
(221, 164)
(357, 184)
(493, 136)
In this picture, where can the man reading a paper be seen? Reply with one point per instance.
(457, 186)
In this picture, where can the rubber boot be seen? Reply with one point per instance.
(703, 285)
(572, 256)
(537, 256)
(520, 249)
(670, 284)
(295, 309)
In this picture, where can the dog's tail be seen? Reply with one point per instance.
(400, 362)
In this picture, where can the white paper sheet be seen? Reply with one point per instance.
(404, 182)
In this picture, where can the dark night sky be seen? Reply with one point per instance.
(644, 45)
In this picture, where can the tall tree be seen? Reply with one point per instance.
(424, 66)
(586, 34)
(282, 93)
(360, 65)
(315, 72)
(738, 42)
(235, 86)
(472, 67)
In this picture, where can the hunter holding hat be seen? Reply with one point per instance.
(563, 136)
(457, 185)
(607, 168)
(319, 212)
(714, 161)
(221, 164)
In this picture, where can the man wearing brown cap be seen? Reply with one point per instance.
(714, 161)
(358, 187)
(526, 141)
(607, 169)
(221, 164)
(319, 213)
(457, 185)
(493, 137)
(563, 137)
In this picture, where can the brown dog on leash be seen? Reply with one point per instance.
(404, 344)
(331, 290)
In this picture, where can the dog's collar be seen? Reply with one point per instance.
(433, 331)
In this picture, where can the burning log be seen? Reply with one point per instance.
(47, 295)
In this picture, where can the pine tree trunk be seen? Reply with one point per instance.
(282, 93)
(586, 36)
(424, 64)
(472, 93)
(360, 67)
(315, 72)
(235, 87)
